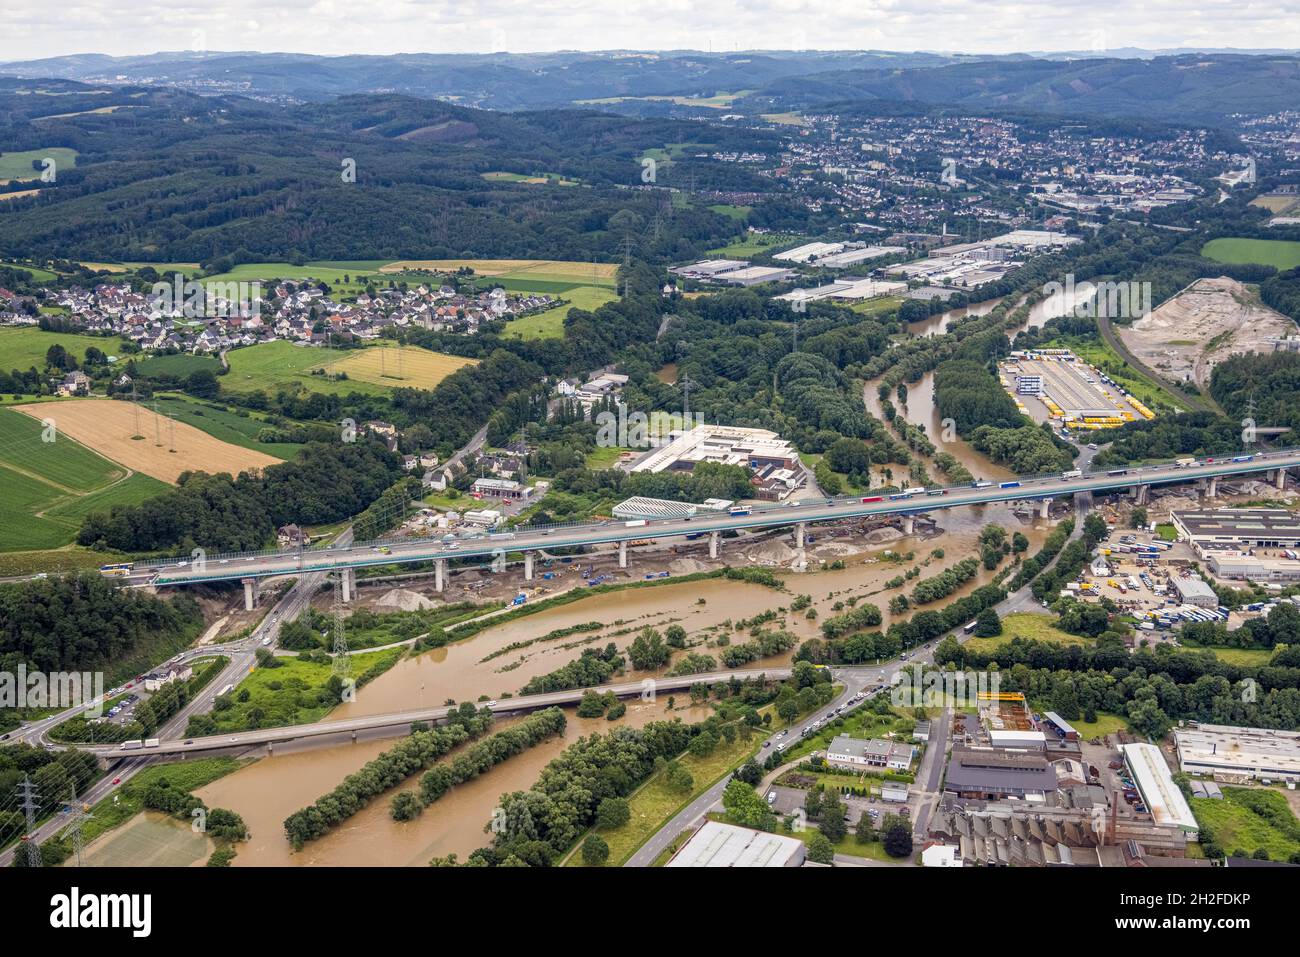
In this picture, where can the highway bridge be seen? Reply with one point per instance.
(250, 567)
(403, 719)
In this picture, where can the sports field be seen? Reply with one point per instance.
(133, 435)
(275, 365)
(50, 486)
(1280, 253)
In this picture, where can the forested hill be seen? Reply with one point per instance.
(1185, 88)
(169, 176)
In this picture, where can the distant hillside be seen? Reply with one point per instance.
(1184, 88)
(164, 175)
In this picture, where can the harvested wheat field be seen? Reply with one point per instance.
(164, 449)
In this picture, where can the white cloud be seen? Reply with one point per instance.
(468, 26)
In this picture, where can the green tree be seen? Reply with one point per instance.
(595, 851)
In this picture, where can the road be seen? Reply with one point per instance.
(482, 544)
(242, 656)
(853, 680)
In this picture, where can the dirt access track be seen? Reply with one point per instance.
(108, 427)
(1209, 321)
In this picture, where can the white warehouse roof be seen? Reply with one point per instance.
(1164, 799)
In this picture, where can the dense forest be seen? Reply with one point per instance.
(169, 176)
(87, 623)
(220, 513)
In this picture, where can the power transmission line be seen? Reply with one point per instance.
(29, 797)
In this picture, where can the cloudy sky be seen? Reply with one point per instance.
(124, 27)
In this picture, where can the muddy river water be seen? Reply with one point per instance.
(501, 659)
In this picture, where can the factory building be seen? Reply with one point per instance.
(724, 845)
(1238, 753)
(1239, 528)
(1163, 798)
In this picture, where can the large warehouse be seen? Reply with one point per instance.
(1163, 798)
(1256, 753)
(724, 845)
(1239, 527)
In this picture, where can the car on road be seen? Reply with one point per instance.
(117, 780)
(492, 704)
(771, 797)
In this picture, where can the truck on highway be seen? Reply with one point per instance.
(740, 510)
(635, 523)
(914, 490)
(1008, 485)
(1242, 458)
(978, 484)
(1117, 472)
(1071, 474)
(1186, 463)
(873, 498)
(151, 742)
(130, 746)
(268, 639)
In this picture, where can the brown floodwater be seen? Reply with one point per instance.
(267, 792)
(920, 409)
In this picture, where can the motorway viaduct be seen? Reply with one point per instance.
(494, 546)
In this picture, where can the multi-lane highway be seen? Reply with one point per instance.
(481, 544)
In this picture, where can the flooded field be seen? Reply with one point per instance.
(267, 792)
(493, 663)
(150, 839)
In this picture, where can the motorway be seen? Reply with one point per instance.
(480, 544)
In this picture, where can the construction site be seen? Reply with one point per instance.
(1056, 385)
(1188, 335)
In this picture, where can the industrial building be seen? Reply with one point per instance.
(1239, 753)
(848, 288)
(1015, 740)
(990, 775)
(1239, 528)
(1241, 567)
(1155, 783)
(724, 845)
(726, 444)
(1193, 590)
(641, 506)
(1063, 728)
(847, 752)
(754, 275)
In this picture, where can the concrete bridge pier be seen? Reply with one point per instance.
(1045, 509)
(349, 584)
(622, 554)
(1140, 493)
(715, 540)
(1279, 479)
(909, 524)
(800, 533)
(529, 558)
(252, 587)
(1212, 490)
(439, 574)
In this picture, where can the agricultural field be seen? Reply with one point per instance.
(399, 366)
(180, 365)
(18, 166)
(546, 270)
(37, 273)
(718, 101)
(1280, 253)
(229, 424)
(51, 486)
(275, 365)
(135, 436)
(540, 179)
(550, 323)
(24, 347)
